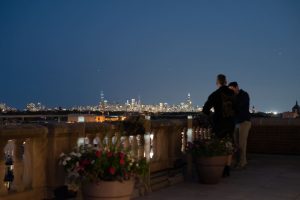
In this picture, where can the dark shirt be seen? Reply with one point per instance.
(242, 107)
(222, 126)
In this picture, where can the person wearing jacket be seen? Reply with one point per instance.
(243, 123)
(222, 101)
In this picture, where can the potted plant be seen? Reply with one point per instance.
(108, 172)
(210, 156)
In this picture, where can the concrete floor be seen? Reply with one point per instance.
(267, 177)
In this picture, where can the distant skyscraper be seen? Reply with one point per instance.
(102, 102)
(139, 104)
(102, 96)
(189, 101)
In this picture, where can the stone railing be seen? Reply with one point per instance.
(274, 136)
(31, 152)
(34, 151)
(23, 159)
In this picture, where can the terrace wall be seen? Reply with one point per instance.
(37, 148)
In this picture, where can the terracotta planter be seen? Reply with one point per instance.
(210, 169)
(108, 190)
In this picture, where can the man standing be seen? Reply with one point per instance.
(243, 123)
(222, 101)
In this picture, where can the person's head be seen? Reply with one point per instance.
(234, 87)
(221, 80)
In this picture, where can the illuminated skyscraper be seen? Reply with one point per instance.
(102, 102)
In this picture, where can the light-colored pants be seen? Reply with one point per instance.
(240, 138)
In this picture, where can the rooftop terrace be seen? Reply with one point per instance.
(275, 177)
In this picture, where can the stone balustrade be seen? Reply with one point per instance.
(35, 149)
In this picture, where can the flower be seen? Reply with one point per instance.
(109, 154)
(122, 155)
(98, 154)
(72, 153)
(210, 147)
(84, 162)
(108, 163)
(112, 170)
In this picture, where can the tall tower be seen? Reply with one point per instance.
(139, 104)
(296, 108)
(102, 102)
(189, 101)
(189, 97)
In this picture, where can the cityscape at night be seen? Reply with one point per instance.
(147, 100)
(63, 54)
(132, 105)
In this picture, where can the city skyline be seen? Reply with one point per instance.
(112, 102)
(103, 104)
(131, 105)
(63, 53)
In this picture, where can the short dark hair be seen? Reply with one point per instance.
(221, 79)
(233, 84)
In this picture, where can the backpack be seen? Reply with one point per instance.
(227, 105)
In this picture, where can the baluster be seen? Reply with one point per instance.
(96, 142)
(205, 134)
(113, 139)
(9, 164)
(183, 141)
(209, 133)
(140, 143)
(197, 133)
(27, 170)
(3, 189)
(134, 146)
(18, 166)
(126, 143)
(190, 128)
(147, 137)
(152, 145)
(80, 141)
(201, 132)
(86, 141)
(110, 139)
(106, 141)
(147, 146)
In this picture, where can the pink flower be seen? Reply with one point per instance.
(84, 163)
(109, 154)
(112, 170)
(98, 154)
(122, 155)
(122, 161)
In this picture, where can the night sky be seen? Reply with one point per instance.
(63, 53)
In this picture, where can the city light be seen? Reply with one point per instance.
(104, 105)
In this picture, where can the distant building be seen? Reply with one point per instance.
(32, 107)
(296, 108)
(295, 112)
(73, 118)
